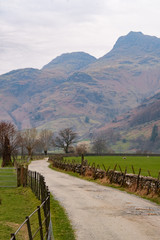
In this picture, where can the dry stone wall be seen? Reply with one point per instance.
(132, 181)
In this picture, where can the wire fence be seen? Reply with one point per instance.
(38, 224)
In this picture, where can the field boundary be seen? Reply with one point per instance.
(37, 183)
(135, 182)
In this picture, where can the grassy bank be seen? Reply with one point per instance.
(16, 204)
(61, 224)
(151, 163)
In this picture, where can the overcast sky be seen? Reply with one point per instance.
(33, 32)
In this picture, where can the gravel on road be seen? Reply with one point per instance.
(101, 213)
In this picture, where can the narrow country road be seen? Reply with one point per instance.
(101, 213)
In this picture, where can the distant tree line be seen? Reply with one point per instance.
(14, 142)
(30, 141)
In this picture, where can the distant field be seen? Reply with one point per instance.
(150, 163)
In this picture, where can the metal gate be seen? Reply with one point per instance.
(8, 177)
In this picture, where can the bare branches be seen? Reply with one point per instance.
(81, 149)
(45, 139)
(65, 139)
(29, 138)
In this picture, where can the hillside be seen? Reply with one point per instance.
(135, 127)
(77, 90)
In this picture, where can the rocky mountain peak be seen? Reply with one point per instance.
(134, 44)
(74, 60)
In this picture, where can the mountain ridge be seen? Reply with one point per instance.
(74, 86)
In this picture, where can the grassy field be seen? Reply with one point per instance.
(150, 163)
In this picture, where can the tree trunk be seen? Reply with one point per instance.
(30, 153)
(22, 152)
(45, 152)
(66, 148)
(6, 154)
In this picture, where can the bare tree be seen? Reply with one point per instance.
(103, 140)
(8, 142)
(99, 144)
(111, 136)
(45, 139)
(65, 139)
(81, 149)
(30, 140)
(21, 145)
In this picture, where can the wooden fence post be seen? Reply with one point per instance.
(107, 171)
(25, 180)
(31, 180)
(111, 179)
(38, 186)
(124, 175)
(133, 169)
(82, 159)
(104, 167)
(40, 223)
(18, 177)
(13, 237)
(149, 174)
(29, 229)
(138, 179)
(120, 168)
(149, 187)
(98, 166)
(156, 187)
(35, 183)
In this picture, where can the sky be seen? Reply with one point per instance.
(33, 32)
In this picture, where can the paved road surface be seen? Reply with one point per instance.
(101, 213)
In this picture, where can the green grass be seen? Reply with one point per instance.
(16, 204)
(18, 160)
(151, 163)
(8, 177)
(61, 224)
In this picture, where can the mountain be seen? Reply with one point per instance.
(148, 112)
(64, 65)
(77, 90)
(135, 127)
(135, 45)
